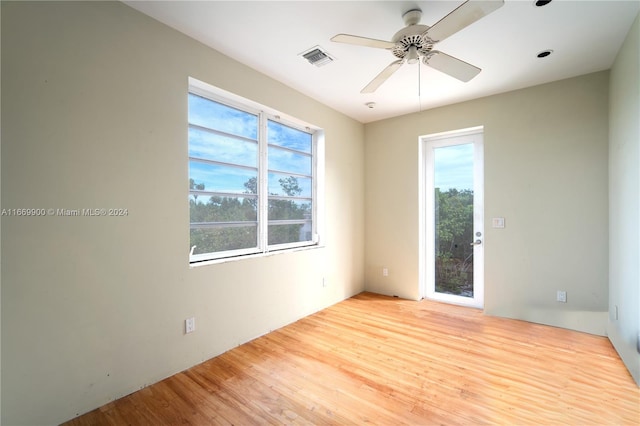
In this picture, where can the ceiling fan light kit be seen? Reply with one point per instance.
(416, 41)
(412, 55)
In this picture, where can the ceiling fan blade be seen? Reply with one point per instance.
(362, 41)
(382, 77)
(447, 64)
(464, 15)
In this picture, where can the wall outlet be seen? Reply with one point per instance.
(385, 272)
(189, 325)
(324, 281)
(561, 296)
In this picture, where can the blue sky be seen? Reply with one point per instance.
(453, 164)
(243, 150)
(288, 137)
(454, 167)
(212, 146)
(220, 178)
(207, 113)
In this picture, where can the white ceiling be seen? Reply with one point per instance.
(269, 36)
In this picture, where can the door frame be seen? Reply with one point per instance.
(426, 215)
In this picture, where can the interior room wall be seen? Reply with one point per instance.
(94, 115)
(624, 202)
(545, 163)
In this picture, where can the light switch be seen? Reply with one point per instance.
(497, 222)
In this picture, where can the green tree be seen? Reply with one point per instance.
(194, 185)
(219, 209)
(287, 210)
(454, 232)
(290, 186)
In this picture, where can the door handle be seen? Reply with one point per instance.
(476, 242)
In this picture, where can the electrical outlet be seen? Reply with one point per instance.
(324, 281)
(385, 272)
(561, 296)
(189, 325)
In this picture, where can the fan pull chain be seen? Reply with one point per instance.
(419, 89)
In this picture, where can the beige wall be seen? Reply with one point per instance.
(545, 151)
(94, 115)
(624, 202)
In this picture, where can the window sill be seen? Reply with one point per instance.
(254, 256)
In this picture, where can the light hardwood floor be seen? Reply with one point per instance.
(387, 361)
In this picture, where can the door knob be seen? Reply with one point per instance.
(476, 242)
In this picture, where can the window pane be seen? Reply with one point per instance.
(222, 209)
(287, 161)
(454, 167)
(233, 162)
(289, 209)
(453, 191)
(213, 115)
(288, 137)
(210, 240)
(219, 178)
(282, 234)
(212, 146)
(292, 186)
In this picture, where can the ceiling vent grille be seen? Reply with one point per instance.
(317, 56)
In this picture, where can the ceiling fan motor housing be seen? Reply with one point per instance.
(411, 35)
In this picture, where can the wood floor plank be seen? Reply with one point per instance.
(382, 360)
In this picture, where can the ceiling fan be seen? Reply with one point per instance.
(416, 41)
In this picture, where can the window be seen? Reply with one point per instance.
(253, 178)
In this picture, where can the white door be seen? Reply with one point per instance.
(452, 206)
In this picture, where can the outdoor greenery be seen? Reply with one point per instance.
(454, 233)
(237, 217)
(454, 227)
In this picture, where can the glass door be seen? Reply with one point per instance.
(453, 206)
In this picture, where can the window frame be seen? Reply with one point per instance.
(265, 114)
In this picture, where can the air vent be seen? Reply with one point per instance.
(317, 56)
